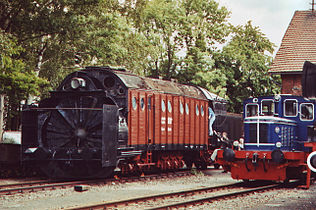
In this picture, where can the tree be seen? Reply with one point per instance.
(244, 61)
(205, 23)
(180, 31)
(16, 82)
(110, 39)
(46, 30)
(43, 29)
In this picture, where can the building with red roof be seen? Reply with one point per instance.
(298, 45)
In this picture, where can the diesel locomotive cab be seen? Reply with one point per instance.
(74, 132)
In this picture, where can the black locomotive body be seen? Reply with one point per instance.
(69, 134)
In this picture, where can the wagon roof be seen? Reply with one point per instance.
(134, 81)
(159, 85)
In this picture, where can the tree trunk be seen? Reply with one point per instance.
(31, 98)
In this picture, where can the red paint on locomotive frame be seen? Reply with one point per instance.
(261, 171)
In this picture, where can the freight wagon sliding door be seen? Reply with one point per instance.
(137, 118)
(141, 118)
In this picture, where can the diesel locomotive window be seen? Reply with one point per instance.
(307, 111)
(181, 107)
(187, 108)
(197, 110)
(163, 105)
(202, 110)
(142, 103)
(251, 110)
(169, 107)
(267, 107)
(290, 108)
(134, 103)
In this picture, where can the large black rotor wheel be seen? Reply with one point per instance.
(73, 134)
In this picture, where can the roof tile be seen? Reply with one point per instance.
(298, 44)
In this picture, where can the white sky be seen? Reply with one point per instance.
(271, 16)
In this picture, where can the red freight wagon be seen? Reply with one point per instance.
(168, 122)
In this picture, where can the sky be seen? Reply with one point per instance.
(271, 16)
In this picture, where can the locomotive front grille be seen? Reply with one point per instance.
(253, 133)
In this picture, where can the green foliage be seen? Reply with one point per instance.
(15, 81)
(110, 40)
(167, 38)
(46, 30)
(182, 32)
(245, 60)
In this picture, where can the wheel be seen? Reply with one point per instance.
(203, 166)
(216, 165)
(189, 164)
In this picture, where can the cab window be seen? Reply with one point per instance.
(307, 111)
(267, 107)
(290, 108)
(251, 110)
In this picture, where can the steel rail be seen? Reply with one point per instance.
(41, 186)
(216, 197)
(4, 186)
(153, 197)
(9, 189)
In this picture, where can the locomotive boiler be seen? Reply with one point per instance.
(101, 118)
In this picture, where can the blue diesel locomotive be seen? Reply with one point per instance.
(279, 137)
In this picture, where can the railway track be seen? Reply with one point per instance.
(179, 199)
(41, 185)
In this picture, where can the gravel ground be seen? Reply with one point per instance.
(66, 198)
(277, 199)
